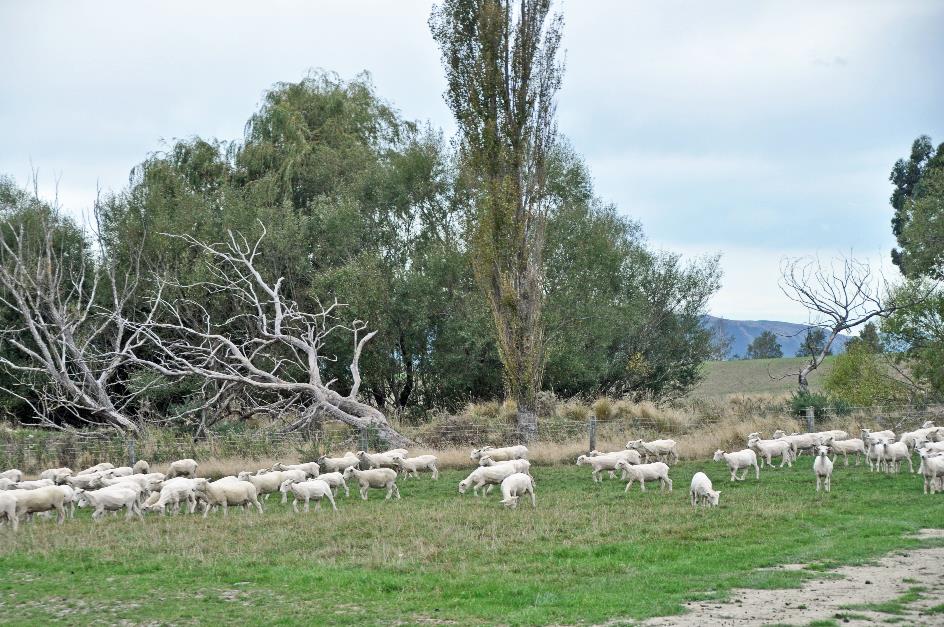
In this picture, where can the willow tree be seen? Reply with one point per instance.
(503, 73)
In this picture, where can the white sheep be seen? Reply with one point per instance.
(338, 464)
(657, 471)
(886, 434)
(182, 468)
(121, 471)
(745, 459)
(6, 484)
(34, 485)
(375, 478)
(500, 454)
(931, 447)
(894, 453)
(311, 469)
(39, 500)
(269, 482)
(336, 481)
(387, 459)
(225, 492)
(766, 449)
(799, 442)
(141, 467)
(57, 475)
(837, 435)
(823, 468)
(514, 486)
(96, 469)
(875, 453)
(851, 445)
(607, 462)
(8, 510)
(486, 476)
(701, 491)
(932, 469)
(306, 490)
(112, 498)
(13, 475)
(90, 481)
(661, 449)
(410, 465)
(174, 492)
(520, 465)
(69, 499)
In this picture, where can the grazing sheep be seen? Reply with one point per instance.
(182, 468)
(388, 459)
(13, 475)
(520, 465)
(91, 481)
(57, 475)
(338, 464)
(34, 485)
(657, 471)
(410, 465)
(894, 453)
(661, 449)
(225, 492)
(175, 491)
(39, 500)
(8, 510)
(141, 467)
(486, 476)
(112, 498)
(736, 461)
(6, 484)
(500, 454)
(514, 486)
(701, 491)
(146, 483)
(852, 445)
(607, 462)
(311, 469)
(932, 468)
(375, 478)
(336, 481)
(766, 449)
(823, 468)
(306, 490)
(96, 469)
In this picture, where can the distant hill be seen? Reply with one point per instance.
(790, 335)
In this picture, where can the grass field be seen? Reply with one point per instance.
(753, 376)
(589, 553)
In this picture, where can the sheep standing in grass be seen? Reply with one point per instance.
(306, 491)
(57, 475)
(338, 464)
(34, 485)
(887, 435)
(8, 510)
(766, 449)
(745, 459)
(91, 481)
(486, 476)
(932, 469)
(13, 475)
(607, 462)
(375, 478)
(269, 482)
(514, 486)
(174, 492)
(225, 492)
(520, 465)
(894, 453)
(388, 459)
(410, 465)
(336, 481)
(823, 468)
(701, 491)
(311, 469)
(500, 454)
(799, 442)
(40, 500)
(183, 468)
(111, 499)
(852, 445)
(657, 471)
(661, 449)
(875, 454)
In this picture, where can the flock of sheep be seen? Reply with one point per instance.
(105, 488)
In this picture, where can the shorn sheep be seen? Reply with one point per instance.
(112, 498)
(13, 475)
(852, 445)
(520, 465)
(378, 478)
(387, 459)
(931, 468)
(500, 454)
(657, 471)
(894, 453)
(745, 459)
(702, 491)
(409, 466)
(8, 510)
(823, 468)
(315, 489)
(486, 476)
(607, 462)
(336, 481)
(513, 487)
(41, 500)
(183, 468)
(225, 492)
(766, 449)
(661, 449)
(338, 464)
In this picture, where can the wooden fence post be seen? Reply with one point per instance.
(810, 416)
(592, 431)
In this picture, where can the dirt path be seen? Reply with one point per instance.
(891, 577)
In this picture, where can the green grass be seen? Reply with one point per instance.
(753, 376)
(589, 553)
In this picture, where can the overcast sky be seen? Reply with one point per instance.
(754, 129)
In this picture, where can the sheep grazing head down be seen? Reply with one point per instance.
(463, 486)
(511, 502)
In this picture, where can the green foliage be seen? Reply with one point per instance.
(861, 377)
(916, 334)
(813, 343)
(821, 402)
(868, 338)
(765, 346)
(918, 200)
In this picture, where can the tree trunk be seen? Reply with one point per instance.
(526, 418)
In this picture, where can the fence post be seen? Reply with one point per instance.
(364, 438)
(592, 431)
(810, 415)
(131, 455)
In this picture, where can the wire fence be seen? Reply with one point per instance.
(33, 451)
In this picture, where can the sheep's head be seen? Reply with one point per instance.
(928, 425)
(511, 502)
(463, 486)
(623, 464)
(244, 475)
(81, 498)
(822, 451)
(634, 444)
(719, 455)
(286, 485)
(713, 497)
(581, 460)
(349, 472)
(486, 461)
(279, 466)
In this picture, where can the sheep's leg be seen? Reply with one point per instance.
(669, 481)
(596, 475)
(295, 504)
(756, 471)
(331, 498)
(817, 483)
(692, 497)
(910, 465)
(642, 484)
(225, 508)
(629, 485)
(258, 505)
(396, 491)
(733, 474)
(347, 492)
(363, 493)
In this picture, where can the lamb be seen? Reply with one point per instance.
(410, 465)
(183, 468)
(34, 485)
(661, 449)
(97, 468)
(306, 490)
(338, 464)
(657, 471)
(336, 481)
(389, 459)
(8, 510)
(894, 453)
(175, 491)
(823, 468)
(701, 491)
(852, 445)
(39, 500)
(500, 454)
(311, 469)
(766, 449)
(374, 478)
(514, 486)
(112, 499)
(736, 461)
(57, 475)
(607, 461)
(13, 475)
(141, 467)
(520, 465)
(225, 492)
(932, 468)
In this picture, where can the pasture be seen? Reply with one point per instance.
(753, 376)
(589, 553)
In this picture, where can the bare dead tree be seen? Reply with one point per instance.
(839, 295)
(276, 340)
